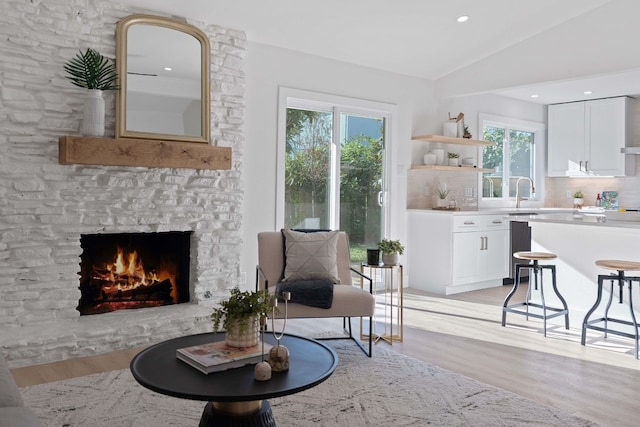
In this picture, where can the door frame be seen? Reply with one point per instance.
(338, 104)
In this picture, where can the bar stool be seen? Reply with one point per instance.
(620, 267)
(533, 264)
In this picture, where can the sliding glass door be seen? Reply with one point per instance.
(334, 175)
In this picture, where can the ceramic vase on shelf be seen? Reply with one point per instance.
(439, 152)
(450, 128)
(93, 114)
(239, 335)
(442, 203)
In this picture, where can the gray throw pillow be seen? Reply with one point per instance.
(310, 255)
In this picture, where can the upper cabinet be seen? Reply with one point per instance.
(585, 138)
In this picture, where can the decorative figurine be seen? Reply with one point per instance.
(263, 368)
(279, 355)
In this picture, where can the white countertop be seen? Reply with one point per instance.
(552, 215)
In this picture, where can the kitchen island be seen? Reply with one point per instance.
(579, 239)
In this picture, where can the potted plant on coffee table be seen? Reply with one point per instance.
(240, 316)
(90, 70)
(390, 251)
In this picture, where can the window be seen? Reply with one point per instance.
(332, 166)
(514, 158)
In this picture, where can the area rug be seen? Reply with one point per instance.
(387, 390)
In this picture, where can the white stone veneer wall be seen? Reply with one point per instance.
(45, 206)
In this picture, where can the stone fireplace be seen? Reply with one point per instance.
(46, 207)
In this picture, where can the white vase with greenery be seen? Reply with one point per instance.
(90, 70)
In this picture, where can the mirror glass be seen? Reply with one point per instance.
(163, 65)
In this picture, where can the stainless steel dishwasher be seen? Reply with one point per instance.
(520, 241)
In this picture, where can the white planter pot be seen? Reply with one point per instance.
(250, 337)
(577, 202)
(93, 114)
(390, 259)
(454, 162)
(450, 129)
(442, 203)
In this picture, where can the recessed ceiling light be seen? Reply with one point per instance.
(587, 92)
(534, 96)
(167, 68)
(463, 18)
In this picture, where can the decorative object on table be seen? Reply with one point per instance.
(373, 256)
(460, 125)
(90, 70)
(450, 127)
(598, 200)
(454, 158)
(218, 356)
(609, 199)
(578, 199)
(429, 159)
(239, 316)
(279, 355)
(442, 193)
(466, 133)
(439, 152)
(467, 162)
(390, 251)
(263, 368)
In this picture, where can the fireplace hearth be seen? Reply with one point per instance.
(133, 270)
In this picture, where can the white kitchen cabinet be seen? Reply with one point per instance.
(451, 253)
(585, 138)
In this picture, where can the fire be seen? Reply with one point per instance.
(127, 274)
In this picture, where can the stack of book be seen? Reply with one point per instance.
(218, 356)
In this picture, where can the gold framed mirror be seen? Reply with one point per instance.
(163, 68)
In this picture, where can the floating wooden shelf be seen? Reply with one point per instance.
(451, 140)
(451, 168)
(142, 152)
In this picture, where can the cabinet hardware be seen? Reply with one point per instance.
(496, 221)
(469, 223)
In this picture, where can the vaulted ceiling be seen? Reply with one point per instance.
(421, 38)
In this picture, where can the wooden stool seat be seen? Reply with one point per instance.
(535, 256)
(618, 265)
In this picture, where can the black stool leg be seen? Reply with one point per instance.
(513, 291)
(633, 317)
(608, 306)
(562, 300)
(585, 322)
(544, 305)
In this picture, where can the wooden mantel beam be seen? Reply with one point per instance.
(142, 152)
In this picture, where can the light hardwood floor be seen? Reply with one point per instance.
(462, 333)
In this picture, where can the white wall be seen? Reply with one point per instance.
(268, 68)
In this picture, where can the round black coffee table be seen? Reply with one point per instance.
(235, 397)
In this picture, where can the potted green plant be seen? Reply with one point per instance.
(239, 316)
(453, 158)
(442, 194)
(390, 251)
(92, 71)
(578, 199)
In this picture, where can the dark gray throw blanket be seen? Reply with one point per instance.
(314, 293)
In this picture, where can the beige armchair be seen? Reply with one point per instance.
(348, 300)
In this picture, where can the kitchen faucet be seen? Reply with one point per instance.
(518, 197)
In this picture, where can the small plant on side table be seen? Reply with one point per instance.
(390, 251)
(578, 199)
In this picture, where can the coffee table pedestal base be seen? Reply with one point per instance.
(237, 414)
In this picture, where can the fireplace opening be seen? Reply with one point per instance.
(133, 270)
